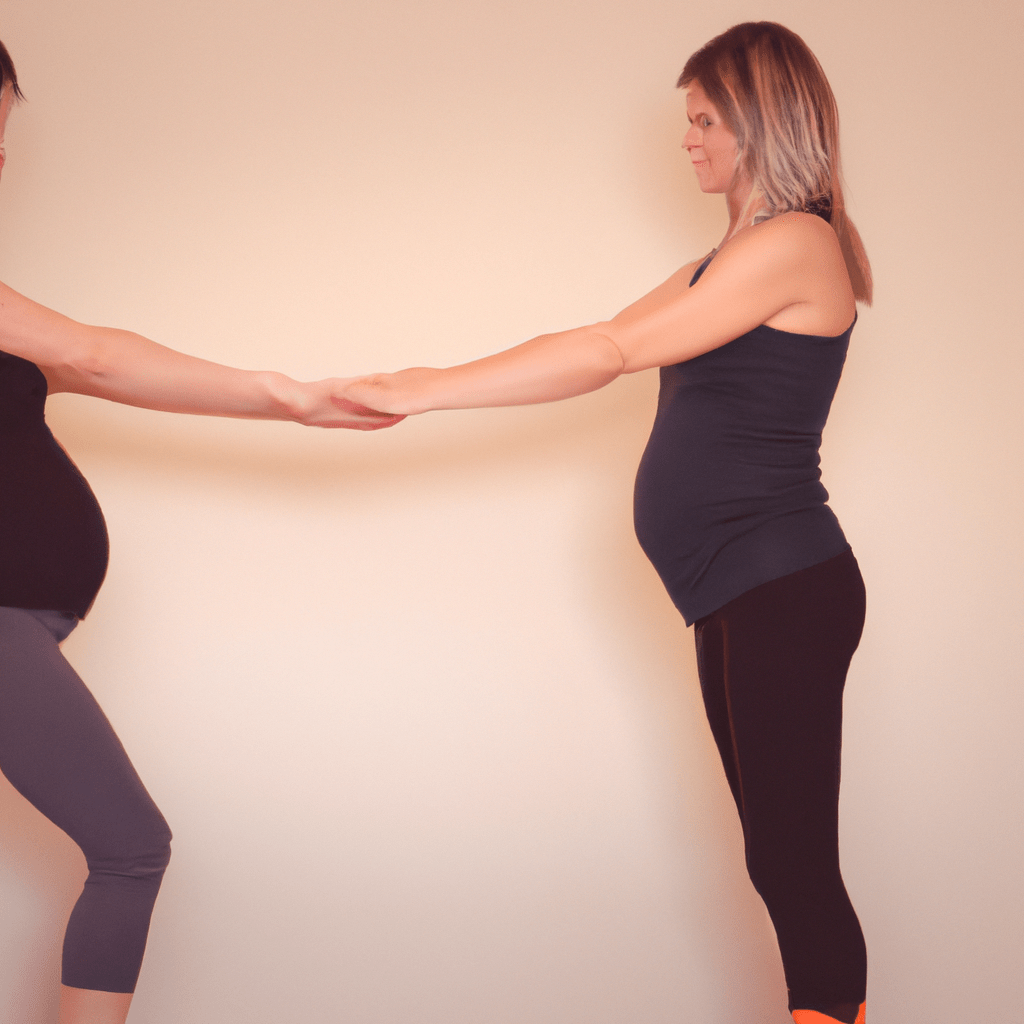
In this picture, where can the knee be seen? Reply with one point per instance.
(153, 852)
(141, 852)
(783, 872)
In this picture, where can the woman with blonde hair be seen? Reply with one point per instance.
(56, 746)
(729, 506)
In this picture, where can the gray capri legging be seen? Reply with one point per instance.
(60, 752)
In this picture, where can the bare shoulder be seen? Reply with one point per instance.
(792, 238)
(800, 254)
(33, 332)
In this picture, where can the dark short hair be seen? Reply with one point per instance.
(7, 72)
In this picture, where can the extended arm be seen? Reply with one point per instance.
(544, 369)
(127, 368)
(790, 266)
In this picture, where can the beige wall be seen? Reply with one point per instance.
(423, 721)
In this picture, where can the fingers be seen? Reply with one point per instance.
(326, 407)
(362, 417)
(378, 421)
(349, 416)
(355, 409)
(376, 393)
(368, 396)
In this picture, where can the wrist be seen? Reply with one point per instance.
(282, 397)
(405, 393)
(415, 389)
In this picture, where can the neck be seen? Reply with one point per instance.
(741, 210)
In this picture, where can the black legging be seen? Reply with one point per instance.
(772, 667)
(59, 751)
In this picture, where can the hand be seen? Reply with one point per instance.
(319, 404)
(404, 393)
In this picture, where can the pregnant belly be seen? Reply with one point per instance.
(53, 549)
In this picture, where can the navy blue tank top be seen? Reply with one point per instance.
(728, 494)
(53, 541)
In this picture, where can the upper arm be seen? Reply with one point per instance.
(761, 271)
(41, 335)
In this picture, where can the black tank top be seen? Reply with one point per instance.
(53, 541)
(728, 494)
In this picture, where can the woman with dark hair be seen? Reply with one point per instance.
(729, 506)
(56, 746)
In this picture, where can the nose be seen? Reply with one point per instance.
(692, 138)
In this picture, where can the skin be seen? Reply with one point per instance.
(6, 102)
(123, 367)
(127, 368)
(713, 150)
(787, 272)
(83, 1006)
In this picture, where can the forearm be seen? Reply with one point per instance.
(545, 369)
(127, 368)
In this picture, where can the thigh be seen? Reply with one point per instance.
(58, 749)
(709, 639)
(787, 649)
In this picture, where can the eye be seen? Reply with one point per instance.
(704, 122)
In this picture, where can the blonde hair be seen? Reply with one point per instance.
(774, 96)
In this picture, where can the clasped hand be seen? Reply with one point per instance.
(322, 404)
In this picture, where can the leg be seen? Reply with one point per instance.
(85, 1006)
(709, 635)
(773, 666)
(59, 751)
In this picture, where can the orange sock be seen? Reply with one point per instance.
(813, 1017)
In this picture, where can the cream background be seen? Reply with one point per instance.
(424, 723)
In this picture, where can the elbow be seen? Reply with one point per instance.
(89, 360)
(82, 367)
(572, 363)
(609, 362)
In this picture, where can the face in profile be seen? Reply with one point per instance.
(712, 146)
(6, 102)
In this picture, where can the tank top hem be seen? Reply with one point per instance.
(775, 549)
